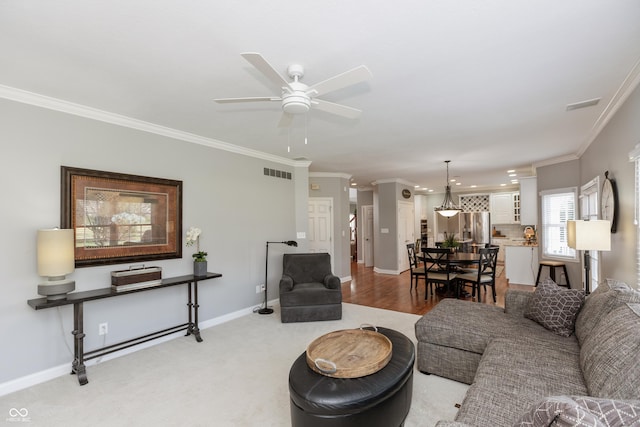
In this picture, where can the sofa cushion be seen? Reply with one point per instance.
(554, 307)
(515, 373)
(609, 355)
(597, 305)
(465, 325)
(581, 411)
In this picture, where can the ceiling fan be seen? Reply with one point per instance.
(297, 97)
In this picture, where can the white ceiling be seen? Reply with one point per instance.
(484, 83)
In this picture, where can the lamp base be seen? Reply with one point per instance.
(56, 290)
(265, 310)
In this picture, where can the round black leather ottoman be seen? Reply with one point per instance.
(381, 399)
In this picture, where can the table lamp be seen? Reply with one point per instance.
(56, 259)
(589, 236)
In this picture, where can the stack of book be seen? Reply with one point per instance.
(135, 278)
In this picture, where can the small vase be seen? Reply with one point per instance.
(199, 268)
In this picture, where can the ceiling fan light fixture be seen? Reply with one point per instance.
(448, 208)
(296, 103)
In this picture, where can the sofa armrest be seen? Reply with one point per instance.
(516, 301)
(286, 283)
(331, 281)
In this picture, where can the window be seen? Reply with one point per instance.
(558, 207)
(588, 211)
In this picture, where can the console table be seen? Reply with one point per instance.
(78, 298)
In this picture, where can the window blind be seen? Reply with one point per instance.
(558, 207)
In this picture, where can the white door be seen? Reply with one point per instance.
(367, 235)
(406, 233)
(321, 225)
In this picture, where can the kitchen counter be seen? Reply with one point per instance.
(507, 241)
(521, 263)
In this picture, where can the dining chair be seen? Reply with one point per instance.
(484, 275)
(436, 269)
(414, 265)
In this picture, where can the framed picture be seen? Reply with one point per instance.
(120, 218)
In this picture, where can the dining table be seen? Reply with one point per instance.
(456, 260)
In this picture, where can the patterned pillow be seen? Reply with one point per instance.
(554, 307)
(574, 411)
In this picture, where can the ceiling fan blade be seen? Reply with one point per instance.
(285, 120)
(251, 99)
(265, 68)
(348, 78)
(337, 109)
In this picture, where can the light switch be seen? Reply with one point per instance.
(384, 230)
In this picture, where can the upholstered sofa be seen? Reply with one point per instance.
(309, 291)
(523, 373)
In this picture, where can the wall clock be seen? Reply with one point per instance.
(609, 201)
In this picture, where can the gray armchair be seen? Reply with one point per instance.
(308, 289)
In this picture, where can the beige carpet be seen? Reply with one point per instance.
(237, 377)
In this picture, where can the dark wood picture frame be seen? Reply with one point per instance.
(120, 218)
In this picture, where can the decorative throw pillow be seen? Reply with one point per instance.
(574, 411)
(554, 307)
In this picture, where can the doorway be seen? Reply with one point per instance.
(406, 233)
(321, 225)
(367, 235)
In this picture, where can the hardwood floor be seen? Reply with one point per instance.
(392, 292)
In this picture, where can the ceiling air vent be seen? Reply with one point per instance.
(583, 104)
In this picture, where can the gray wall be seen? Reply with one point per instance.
(225, 194)
(609, 151)
(385, 212)
(561, 175)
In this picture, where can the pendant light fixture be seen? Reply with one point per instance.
(448, 208)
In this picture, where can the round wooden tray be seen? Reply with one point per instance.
(349, 353)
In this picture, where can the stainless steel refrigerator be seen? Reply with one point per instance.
(475, 226)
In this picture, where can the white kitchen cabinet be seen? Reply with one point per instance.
(521, 264)
(505, 208)
(529, 201)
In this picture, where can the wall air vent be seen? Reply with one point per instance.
(277, 174)
(583, 104)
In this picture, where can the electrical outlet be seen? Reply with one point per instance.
(103, 329)
(262, 288)
(257, 289)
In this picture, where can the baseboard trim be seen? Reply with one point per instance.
(381, 271)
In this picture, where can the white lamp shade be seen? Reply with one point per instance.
(448, 212)
(589, 235)
(56, 255)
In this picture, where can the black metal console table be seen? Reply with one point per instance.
(78, 298)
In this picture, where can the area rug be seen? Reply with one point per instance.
(238, 376)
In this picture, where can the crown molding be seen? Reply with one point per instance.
(329, 175)
(627, 87)
(555, 161)
(50, 103)
(394, 181)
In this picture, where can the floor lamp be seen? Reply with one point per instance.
(589, 236)
(265, 309)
